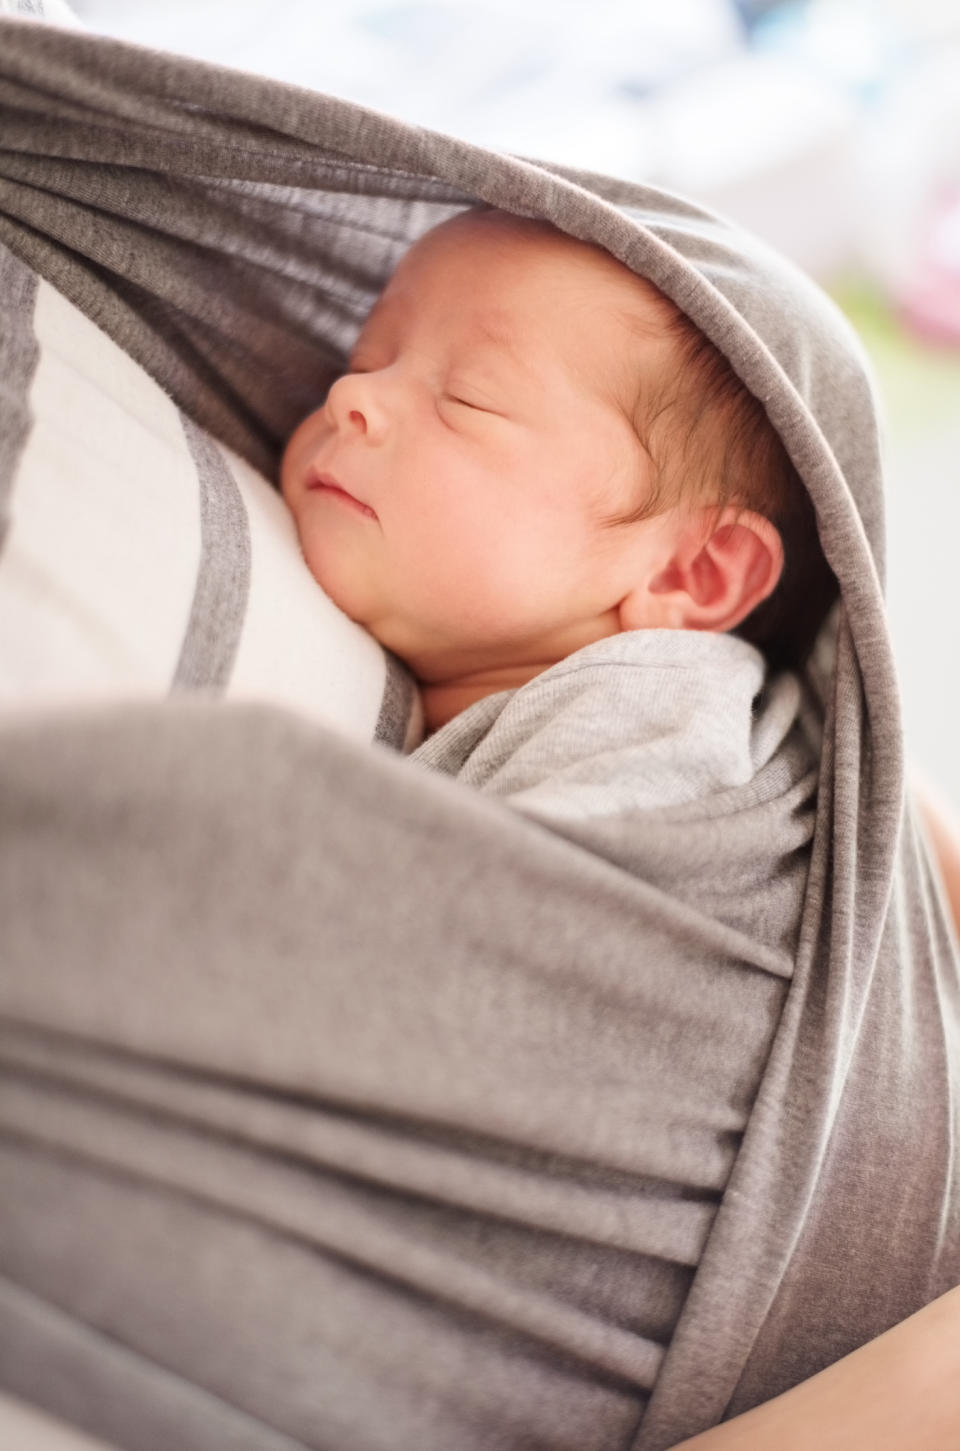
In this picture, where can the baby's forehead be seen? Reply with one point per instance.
(521, 286)
(492, 243)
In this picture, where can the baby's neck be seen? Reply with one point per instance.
(444, 699)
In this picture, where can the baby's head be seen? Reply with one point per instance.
(534, 449)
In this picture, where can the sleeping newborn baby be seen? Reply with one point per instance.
(545, 490)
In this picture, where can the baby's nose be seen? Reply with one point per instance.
(353, 405)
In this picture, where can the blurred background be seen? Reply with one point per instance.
(832, 127)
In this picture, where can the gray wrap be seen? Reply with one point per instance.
(341, 1106)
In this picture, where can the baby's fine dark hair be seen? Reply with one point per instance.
(711, 439)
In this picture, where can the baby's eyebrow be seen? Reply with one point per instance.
(503, 337)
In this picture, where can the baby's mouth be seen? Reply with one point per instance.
(327, 484)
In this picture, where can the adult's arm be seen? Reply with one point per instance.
(900, 1392)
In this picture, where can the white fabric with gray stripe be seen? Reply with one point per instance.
(141, 557)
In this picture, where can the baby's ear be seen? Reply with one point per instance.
(721, 567)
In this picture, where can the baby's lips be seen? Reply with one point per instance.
(318, 481)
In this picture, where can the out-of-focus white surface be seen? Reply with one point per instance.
(532, 78)
(923, 526)
(58, 12)
(381, 52)
(922, 387)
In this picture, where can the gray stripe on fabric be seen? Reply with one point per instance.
(397, 704)
(223, 576)
(19, 355)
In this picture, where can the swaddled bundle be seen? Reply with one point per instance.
(413, 1119)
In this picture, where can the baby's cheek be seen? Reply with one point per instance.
(296, 454)
(287, 469)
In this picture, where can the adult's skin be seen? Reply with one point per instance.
(944, 833)
(900, 1392)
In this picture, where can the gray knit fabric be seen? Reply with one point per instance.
(18, 359)
(345, 1105)
(638, 721)
(223, 578)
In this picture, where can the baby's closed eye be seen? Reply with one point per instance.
(470, 394)
(466, 403)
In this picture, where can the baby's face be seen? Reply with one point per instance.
(454, 492)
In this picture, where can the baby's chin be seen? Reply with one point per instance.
(414, 641)
(342, 584)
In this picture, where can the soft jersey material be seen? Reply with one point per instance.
(635, 725)
(344, 1106)
(640, 720)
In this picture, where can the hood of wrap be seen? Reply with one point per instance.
(243, 301)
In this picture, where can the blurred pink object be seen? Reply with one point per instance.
(929, 299)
